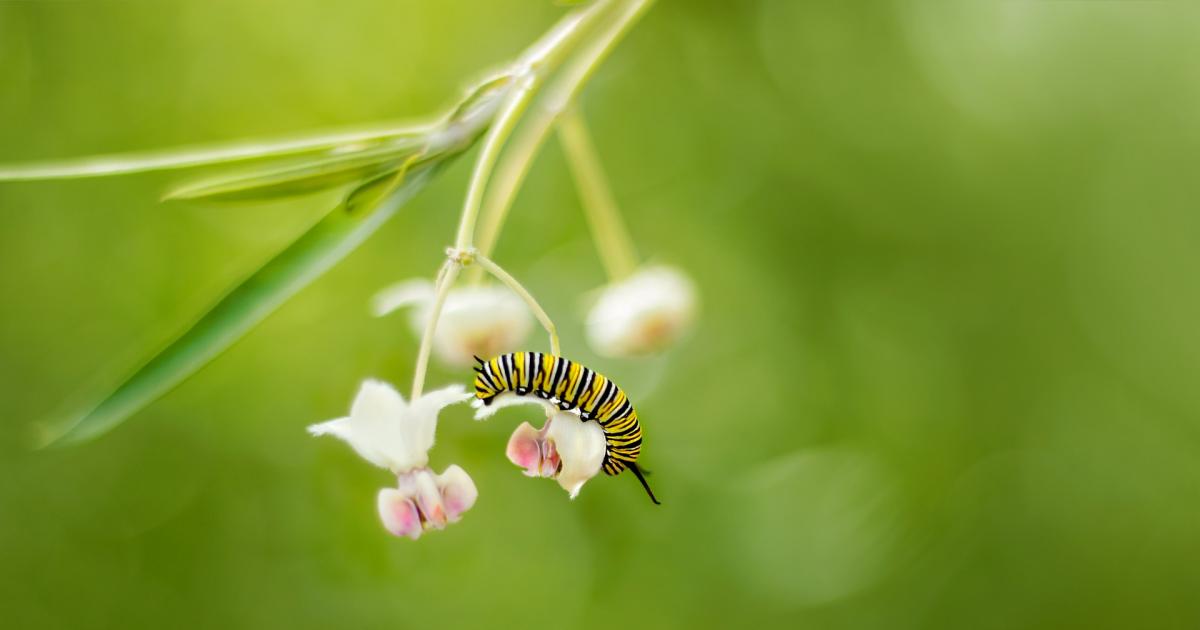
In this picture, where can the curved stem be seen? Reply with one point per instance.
(445, 280)
(538, 311)
(608, 229)
(529, 73)
(519, 158)
(510, 175)
(506, 120)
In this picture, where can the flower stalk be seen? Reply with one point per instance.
(501, 129)
(529, 73)
(518, 158)
(445, 279)
(613, 243)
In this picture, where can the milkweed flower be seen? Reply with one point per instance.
(397, 435)
(565, 449)
(483, 320)
(642, 314)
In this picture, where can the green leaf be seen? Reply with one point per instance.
(318, 249)
(392, 166)
(300, 177)
(104, 165)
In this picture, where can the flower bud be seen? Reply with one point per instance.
(642, 314)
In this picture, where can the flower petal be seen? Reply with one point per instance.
(355, 436)
(509, 399)
(377, 402)
(433, 402)
(399, 513)
(401, 294)
(388, 432)
(642, 314)
(458, 492)
(581, 447)
(373, 425)
(422, 422)
(429, 500)
(479, 321)
(525, 449)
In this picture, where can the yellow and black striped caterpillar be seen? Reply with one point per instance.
(570, 385)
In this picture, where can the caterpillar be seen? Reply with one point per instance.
(569, 385)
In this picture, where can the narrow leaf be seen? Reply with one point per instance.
(300, 177)
(327, 242)
(186, 157)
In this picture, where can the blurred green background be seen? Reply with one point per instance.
(945, 374)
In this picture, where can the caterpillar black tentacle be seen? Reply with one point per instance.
(569, 385)
(638, 473)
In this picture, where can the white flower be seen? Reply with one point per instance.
(566, 449)
(393, 434)
(642, 314)
(476, 321)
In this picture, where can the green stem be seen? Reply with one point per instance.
(519, 157)
(507, 119)
(608, 229)
(529, 73)
(445, 280)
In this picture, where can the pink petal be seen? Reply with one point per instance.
(525, 449)
(399, 513)
(429, 500)
(550, 458)
(458, 492)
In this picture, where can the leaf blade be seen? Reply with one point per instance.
(190, 157)
(314, 252)
(298, 177)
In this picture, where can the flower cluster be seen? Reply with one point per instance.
(393, 434)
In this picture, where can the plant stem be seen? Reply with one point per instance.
(608, 229)
(538, 311)
(528, 72)
(519, 157)
(506, 120)
(445, 279)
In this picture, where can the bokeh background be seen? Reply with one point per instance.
(945, 374)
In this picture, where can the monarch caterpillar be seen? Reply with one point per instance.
(570, 385)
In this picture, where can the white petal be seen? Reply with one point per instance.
(344, 428)
(581, 447)
(402, 294)
(458, 492)
(434, 401)
(479, 321)
(366, 430)
(398, 513)
(509, 399)
(377, 401)
(642, 314)
(483, 321)
(425, 413)
(386, 431)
